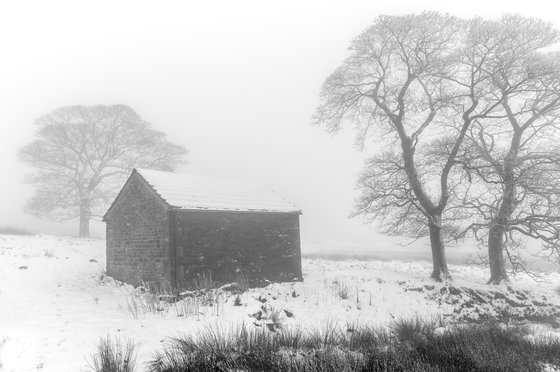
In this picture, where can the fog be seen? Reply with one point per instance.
(236, 83)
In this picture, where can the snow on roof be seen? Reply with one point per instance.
(188, 191)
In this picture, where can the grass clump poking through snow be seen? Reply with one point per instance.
(114, 356)
(48, 253)
(408, 345)
(482, 347)
(2, 343)
(341, 289)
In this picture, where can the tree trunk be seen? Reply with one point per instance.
(497, 231)
(496, 234)
(500, 223)
(85, 216)
(434, 222)
(496, 254)
(438, 251)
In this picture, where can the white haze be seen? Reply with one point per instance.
(236, 82)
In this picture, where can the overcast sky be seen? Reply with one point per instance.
(236, 82)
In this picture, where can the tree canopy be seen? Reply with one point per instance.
(421, 85)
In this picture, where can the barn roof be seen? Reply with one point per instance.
(188, 191)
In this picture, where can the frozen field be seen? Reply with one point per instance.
(56, 302)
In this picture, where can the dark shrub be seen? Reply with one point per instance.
(408, 345)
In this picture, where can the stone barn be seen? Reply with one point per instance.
(169, 228)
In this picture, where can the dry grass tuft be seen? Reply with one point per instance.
(114, 355)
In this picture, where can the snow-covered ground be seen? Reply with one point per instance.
(56, 302)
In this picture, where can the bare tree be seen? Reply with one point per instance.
(414, 79)
(385, 195)
(83, 153)
(515, 153)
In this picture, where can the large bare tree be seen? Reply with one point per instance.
(82, 154)
(412, 81)
(515, 152)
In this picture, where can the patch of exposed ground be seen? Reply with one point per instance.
(497, 303)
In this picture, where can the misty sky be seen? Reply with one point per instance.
(236, 82)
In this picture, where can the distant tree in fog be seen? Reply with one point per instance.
(82, 155)
(418, 84)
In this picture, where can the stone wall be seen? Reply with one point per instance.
(229, 244)
(138, 236)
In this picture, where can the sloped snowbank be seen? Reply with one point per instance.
(55, 302)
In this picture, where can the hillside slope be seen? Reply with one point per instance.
(56, 302)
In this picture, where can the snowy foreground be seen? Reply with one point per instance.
(56, 302)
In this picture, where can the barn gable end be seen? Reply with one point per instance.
(138, 235)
